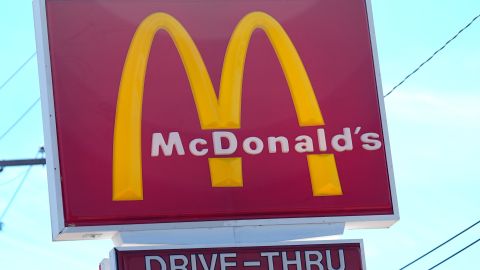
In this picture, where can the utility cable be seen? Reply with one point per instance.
(4, 183)
(18, 70)
(19, 119)
(20, 185)
(433, 55)
(455, 254)
(9, 204)
(437, 247)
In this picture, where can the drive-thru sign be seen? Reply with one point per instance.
(168, 114)
(333, 255)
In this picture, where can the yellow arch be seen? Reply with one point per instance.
(305, 102)
(213, 113)
(127, 156)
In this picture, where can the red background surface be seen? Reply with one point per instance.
(88, 44)
(135, 260)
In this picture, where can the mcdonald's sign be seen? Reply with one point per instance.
(208, 113)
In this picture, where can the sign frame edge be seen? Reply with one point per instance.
(48, 116)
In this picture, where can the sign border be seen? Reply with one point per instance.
(113, 255)
(62, 232)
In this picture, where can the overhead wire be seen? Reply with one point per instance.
(19, 187)
(433, 55)
(391, 91)
(12, 199)
(440, 245)
(29, 108)
(455, 254)
(6, 132)
(19, 119)
(17, 71)
(6, 182)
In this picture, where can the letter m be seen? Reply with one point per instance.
(174, 141)
(213, 113)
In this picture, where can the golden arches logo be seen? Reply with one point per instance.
(214, 113)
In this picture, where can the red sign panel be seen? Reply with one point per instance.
(345, 256)
(180, 111)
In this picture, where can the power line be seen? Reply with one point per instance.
(437, 247)
(18, 70)
(20, 185)
(29, 108)
(455, 254)
(15, 193)
(19, 119)
(21, 162)
(11, 179)
(433, 55)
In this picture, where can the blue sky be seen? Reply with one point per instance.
(433, 121)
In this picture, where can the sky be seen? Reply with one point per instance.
(433, 122)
